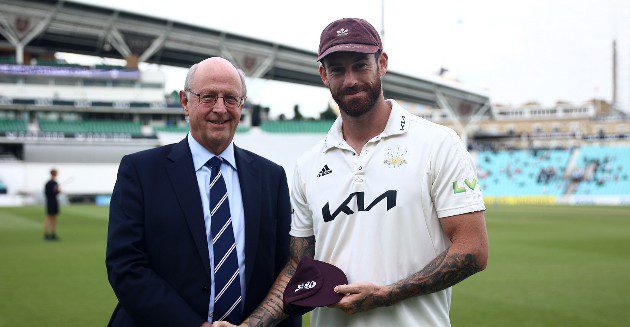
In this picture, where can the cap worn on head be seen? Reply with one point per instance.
(349, 34)
(312, 285)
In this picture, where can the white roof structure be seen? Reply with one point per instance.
(39, 26)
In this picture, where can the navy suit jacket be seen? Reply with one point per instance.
(157, 253)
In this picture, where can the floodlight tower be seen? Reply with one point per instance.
(614, 74)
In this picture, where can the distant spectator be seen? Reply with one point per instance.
(51, 190)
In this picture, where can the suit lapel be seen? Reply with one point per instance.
(181, 173)
(251, 186)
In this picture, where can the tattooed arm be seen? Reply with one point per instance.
(467, 255)
(269, 313)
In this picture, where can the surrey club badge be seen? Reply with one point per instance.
(395, 158)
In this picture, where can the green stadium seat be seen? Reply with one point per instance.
(91, 126)
(296, 127)
(103, 66)
(13, 125)
(7, 60)
(177, 129)
(56, 63)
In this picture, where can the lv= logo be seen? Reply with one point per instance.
(462, 189)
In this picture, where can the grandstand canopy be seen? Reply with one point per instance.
(44, 26)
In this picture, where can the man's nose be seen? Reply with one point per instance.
(219, 106)
(349, 79)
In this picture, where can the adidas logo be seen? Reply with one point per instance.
(342, 32)
(325, 171)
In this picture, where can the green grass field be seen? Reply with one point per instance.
(548, 266)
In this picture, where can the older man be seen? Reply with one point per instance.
(198, 230)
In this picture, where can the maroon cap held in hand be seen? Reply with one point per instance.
(312, 285)
(349, 34)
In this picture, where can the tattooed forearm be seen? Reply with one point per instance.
(446, 270)
(301, 247)
(269, 313)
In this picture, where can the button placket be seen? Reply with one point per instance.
(366, 156)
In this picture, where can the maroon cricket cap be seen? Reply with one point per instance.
(349, 34)
(312, 285)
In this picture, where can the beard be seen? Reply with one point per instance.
(358, 106)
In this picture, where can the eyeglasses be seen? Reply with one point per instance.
(211, 99)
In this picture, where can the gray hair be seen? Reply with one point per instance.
(241, 74)
(189, 76)
(193, 69)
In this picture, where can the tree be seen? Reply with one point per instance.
(297, 115)
(533, 103)
(328, 114)
(563, 103)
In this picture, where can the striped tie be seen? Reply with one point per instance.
(227, 284)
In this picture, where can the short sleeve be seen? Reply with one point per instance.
(454, 187)
(301, 215)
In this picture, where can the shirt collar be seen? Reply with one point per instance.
(334, 138)
(201, 155)
(397, 123)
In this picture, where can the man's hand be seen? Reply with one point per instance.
(361, 297)
(206, 324)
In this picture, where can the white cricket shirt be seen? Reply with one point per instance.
(375, 214)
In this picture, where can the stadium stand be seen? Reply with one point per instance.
(104, 66)
(57, 63)
(522, 172)
(91, 126)
(83, 118)
(596, 170)
(7, 60)
(604, 170)
(293, 127)
(12, 125)
(184, 129)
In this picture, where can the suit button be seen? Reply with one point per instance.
(205, 288)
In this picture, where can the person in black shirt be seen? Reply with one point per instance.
(52, 207)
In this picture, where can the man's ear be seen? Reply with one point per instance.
(322, 74)
(382, 64)
(243, 103)
(183, 99)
